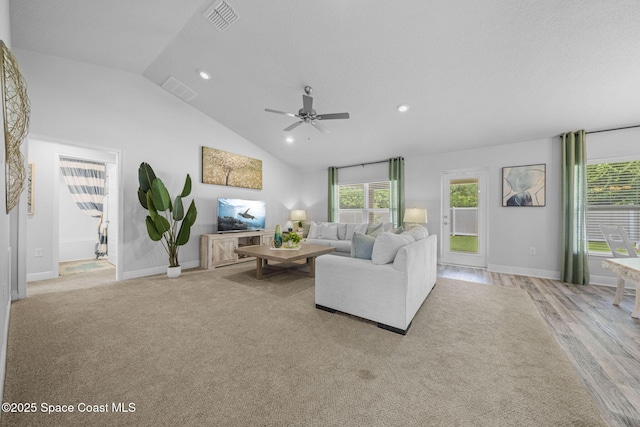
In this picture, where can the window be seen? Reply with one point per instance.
(366, 202)
(613, 197)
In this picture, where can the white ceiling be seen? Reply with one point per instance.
(475, 73)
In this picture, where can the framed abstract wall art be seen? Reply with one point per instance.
(524, 185)
(224, 168)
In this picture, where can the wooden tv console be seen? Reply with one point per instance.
(218, 249)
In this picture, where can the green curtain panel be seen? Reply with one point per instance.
(396, 190)
(575, 247)
(333, 195)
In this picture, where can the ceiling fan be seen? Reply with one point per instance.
(308, 115)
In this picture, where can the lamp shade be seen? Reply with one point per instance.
(298, 215)
(415, 215)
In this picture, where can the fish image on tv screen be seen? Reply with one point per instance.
(241, 215)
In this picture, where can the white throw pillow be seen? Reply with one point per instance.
(361, 228)
(342, 231)
(349, 231)
(418, 233)
(327, 232)
(387, 246)
(313, 231)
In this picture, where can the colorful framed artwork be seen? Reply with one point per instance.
(233, 170)
(524, 185)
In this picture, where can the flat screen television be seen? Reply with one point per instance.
(240, 215)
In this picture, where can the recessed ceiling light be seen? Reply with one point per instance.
(289, 140)
(403, 107)
(204, 75)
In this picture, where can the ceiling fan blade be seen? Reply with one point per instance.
(307, 103)
(320, 127)
(332, 116)
(293, 126)
(279, 112)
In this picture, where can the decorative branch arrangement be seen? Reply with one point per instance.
(16, 109)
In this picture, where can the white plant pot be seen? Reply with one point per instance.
(173, 272)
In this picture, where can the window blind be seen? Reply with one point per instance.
(613, 197)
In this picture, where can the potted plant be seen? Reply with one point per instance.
(292, 239)
(167, 222)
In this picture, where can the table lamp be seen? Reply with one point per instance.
(297, 216)
(415, 216)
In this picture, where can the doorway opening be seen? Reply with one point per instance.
(464, 218)
(61, 239)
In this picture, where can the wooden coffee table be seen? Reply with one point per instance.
(286, 258)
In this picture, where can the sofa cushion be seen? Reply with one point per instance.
(327, 231)
(313, 231)
(349, 229)
(374, 229)
(386, 247)
(342, 231)
(418, 233)
(362, 245)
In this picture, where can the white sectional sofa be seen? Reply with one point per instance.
(338, 235)
(387, 289)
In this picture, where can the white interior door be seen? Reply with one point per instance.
(464, 217)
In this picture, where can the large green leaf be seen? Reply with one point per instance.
(152, 209)
(183, 234)
(187, 187)
(160, 195)
(152, 230)
(145, 176)
(178, 209)
(142, 197)
(192, 214)
(162, 224)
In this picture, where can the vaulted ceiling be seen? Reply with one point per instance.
(474, 73)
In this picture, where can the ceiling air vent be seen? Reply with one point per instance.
(179, 89)
(221, 15)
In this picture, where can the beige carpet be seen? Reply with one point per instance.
(221, 348)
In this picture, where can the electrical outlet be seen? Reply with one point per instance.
(532, 250)
(39, 252)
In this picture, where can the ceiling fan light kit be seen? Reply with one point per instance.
(308, 115)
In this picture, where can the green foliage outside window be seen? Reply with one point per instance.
(464, 195)
(614, 183)
(351, 197)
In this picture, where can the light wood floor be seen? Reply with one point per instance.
(602, 341)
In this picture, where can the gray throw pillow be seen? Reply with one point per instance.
(374, 229)
(362, 246)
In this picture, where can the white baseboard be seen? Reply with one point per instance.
(45, 275)
(155, 270)
(609, 281)
(505, 269)
(554, 275)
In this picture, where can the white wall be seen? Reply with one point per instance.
(113, 110)
(512, 231)
(5, 258)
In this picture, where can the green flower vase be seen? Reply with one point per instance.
(277, 238)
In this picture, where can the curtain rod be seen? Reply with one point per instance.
(610, 130)
(363, 164)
